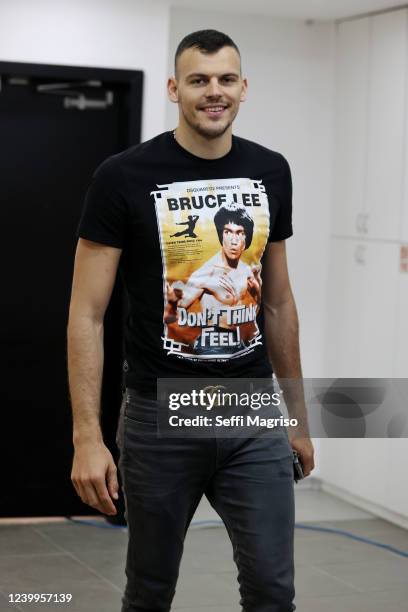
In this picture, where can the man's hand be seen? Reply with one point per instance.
(305, 449)
(174, 293)
(94, 476)
(254, 283)
(220, 284)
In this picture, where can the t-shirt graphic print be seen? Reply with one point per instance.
(212, 236)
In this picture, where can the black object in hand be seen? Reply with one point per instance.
(297, 467)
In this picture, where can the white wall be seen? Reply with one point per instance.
(368, 290)
(290, 70)
(130, 34)
(367, 473)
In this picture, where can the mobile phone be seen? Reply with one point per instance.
(297, 467)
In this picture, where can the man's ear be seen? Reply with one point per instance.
(172, 89)
(244, 90)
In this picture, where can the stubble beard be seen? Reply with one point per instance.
(209, 134)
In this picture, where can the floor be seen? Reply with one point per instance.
(333, 572)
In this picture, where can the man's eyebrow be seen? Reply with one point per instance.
(199, 74)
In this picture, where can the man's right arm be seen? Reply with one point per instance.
(94, 471)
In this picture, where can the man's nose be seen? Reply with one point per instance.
(213, 88)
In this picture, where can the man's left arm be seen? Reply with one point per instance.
(282, 339)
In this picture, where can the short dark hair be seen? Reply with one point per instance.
(233, 213)
(207, 41)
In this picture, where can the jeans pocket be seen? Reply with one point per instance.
(139, 436)
(141, 424)
(140, 415)
(140, 420)
(119, 428)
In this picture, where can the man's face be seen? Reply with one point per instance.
(233, 240)
(208, 89)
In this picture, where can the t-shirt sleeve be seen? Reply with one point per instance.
(104, 215)
(282, 226)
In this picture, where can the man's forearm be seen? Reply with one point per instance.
(282, 337)
(85, 367)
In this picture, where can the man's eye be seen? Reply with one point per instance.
(197, 81)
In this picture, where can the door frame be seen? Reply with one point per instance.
(134, 78)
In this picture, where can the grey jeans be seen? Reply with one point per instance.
(248, 481)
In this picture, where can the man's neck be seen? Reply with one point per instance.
(207, 148)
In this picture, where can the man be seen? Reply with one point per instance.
(131, 208)
(189, 231)
(219, 284)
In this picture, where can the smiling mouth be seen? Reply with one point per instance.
(213, 111)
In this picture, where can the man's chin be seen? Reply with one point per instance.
(212, 131)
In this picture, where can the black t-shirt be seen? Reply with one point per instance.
(193, 233)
